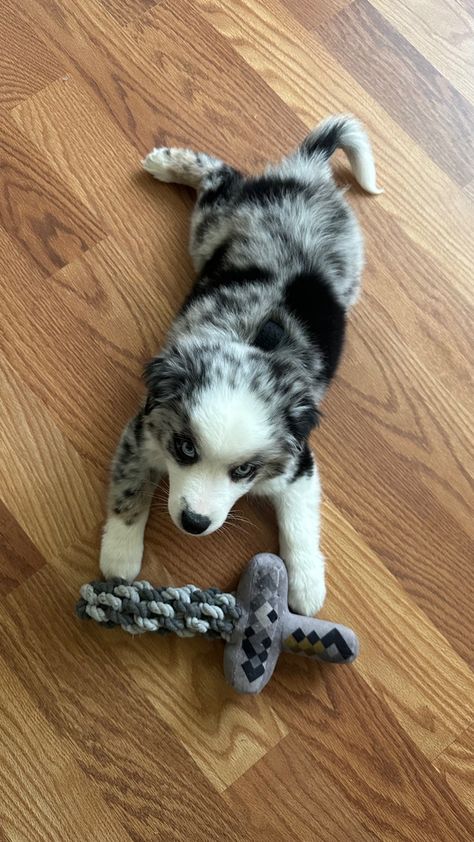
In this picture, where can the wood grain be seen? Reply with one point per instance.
(428, 107)
(456, 764)
(139, 738)
(124, 11)
(26, 65)
(49, 222)
(348, 795)
(308, 77)
(442, 31)
(29, 810)
(19, 557)
(125, 751)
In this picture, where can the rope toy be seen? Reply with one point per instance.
(255, 623)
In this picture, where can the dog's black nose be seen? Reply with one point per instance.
(193, 523)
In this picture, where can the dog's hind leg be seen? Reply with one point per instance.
(183, 166)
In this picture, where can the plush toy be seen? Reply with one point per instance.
(255, 623)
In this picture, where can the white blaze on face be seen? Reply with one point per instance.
(230, 427)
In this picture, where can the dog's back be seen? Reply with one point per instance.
(282, 249)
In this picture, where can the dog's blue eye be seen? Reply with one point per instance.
(185, 450)
(244, 471)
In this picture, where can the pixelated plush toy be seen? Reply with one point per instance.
(255, 622)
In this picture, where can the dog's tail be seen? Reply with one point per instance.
(343, 131)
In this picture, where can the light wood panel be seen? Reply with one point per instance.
(456, 764)
(442, 31)
(19, 78)
(410, 89)
(140, 738)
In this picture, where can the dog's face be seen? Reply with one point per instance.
(223, 425)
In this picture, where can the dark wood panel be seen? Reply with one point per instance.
(19, 558)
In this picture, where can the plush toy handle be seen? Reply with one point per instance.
(319, 639)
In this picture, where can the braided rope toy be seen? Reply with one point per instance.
(255, 623)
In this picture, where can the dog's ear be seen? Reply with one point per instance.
(301, 418)
(164, 380)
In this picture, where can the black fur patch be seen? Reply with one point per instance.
(300, 420)
(310, 299)
(268, 189)
(237, 275)
(164, 379)
(126, 452)
(269, 336)
(138, 427)
(224, 187)
(325, 141)
(218, 272)
(305, 464)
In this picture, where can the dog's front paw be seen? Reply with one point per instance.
(121, 550)
(306, 590)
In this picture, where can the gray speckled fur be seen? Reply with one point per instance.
(284, 249)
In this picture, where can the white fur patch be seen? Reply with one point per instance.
(122, 547)
(232, 425)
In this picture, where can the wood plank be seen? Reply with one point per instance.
(38, 776)
(39, 465)
(26, 64)
(415, 294)
(401, 650)
(469, 191)
(124, 11)
(142, 735)
(311, 14)
(132, 760)
(147, 220)
(40, 213)
(64, 350)
(443, 31)
(311, 780)
(422, 101)
(225, 734)
(19, 558)
(167, 109)
(456, 764)
(404, 523)
(125, 322)
(306, 75)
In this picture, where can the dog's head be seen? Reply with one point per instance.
(226, 418)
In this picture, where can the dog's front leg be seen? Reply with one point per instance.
(297, 506)
(133, 481)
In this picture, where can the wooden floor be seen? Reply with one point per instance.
(108, 737)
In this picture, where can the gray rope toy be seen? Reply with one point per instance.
(255, 623)
(140, 607)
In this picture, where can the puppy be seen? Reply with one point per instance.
(236, 391)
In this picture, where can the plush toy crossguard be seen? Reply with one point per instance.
(255, 623)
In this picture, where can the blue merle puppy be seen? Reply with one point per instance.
(236, 390)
